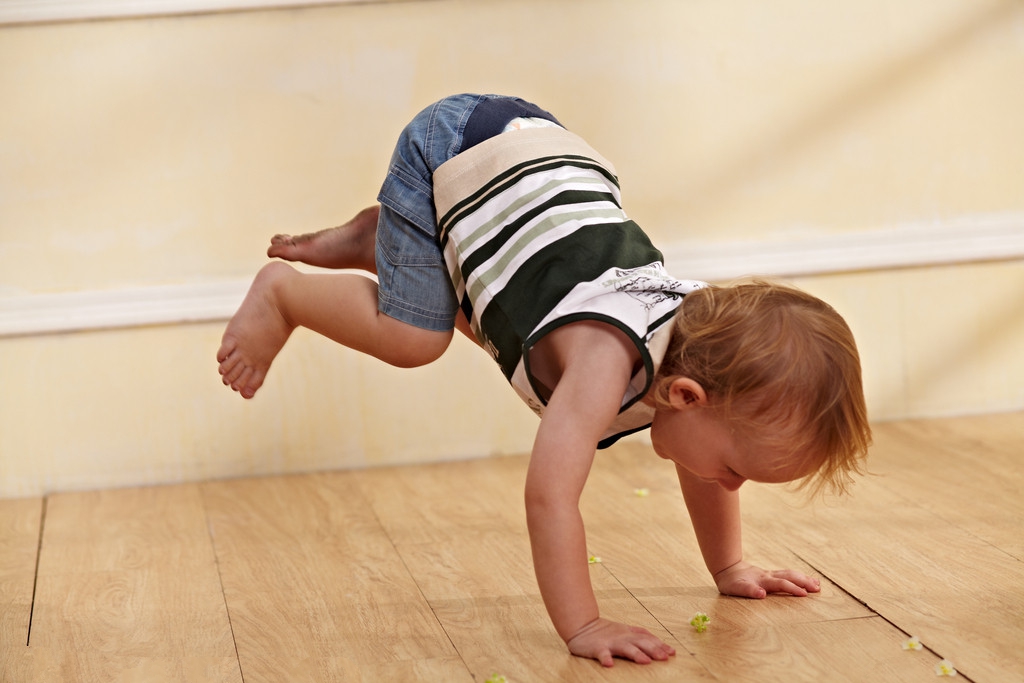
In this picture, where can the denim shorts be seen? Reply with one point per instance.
(414, 284)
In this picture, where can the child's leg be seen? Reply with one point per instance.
(414, 282)
(342, 307)
(347, 246)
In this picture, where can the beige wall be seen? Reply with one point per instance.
(165, 151)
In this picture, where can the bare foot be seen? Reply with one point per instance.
(255, 334)
(347, 246)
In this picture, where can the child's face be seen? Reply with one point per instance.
(699, 441)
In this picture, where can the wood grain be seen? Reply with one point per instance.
(19, 540)
(314, 585)
(424, 574)
(920, 542)
(128, 582)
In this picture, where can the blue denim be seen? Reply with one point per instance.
(414, 284)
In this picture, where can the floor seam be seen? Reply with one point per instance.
(401, 558)
(35, 573)
(220, 579)
(873, 611)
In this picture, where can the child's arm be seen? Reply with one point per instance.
(594, 366)
(715, 513)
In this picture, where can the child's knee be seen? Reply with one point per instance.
(412, 347)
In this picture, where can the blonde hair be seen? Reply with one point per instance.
(782, 367)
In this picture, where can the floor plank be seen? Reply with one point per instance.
(916, 553)
(473, 561)
(779, 531)
(849, 650)
(977, 461)
(461, 529)
(424, 574)
(647, 542)
(513, 637)
(19, 541)
(127, 581)
(60, 665)
(313, 585)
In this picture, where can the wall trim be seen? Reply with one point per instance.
(995, 237)
(35, 314)
(37, 11)
(965, 241)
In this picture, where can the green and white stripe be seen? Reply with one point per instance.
(534, 237)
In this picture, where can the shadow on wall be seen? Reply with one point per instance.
(955, 349)
(870, 92)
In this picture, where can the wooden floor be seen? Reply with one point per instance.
(424, 574)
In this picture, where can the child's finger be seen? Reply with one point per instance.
(651, 644)
(808, 583)
(635, 654)
(745, 589)
(777, 585)
(604, 657)
(658, 650)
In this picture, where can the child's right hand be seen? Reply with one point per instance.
(603, 640)
(747, 581)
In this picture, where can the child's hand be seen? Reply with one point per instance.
(602, 640)
(747, 581)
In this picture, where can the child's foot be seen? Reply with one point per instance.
(255, 334)
(347, 246)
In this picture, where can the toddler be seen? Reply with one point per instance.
(496, 220)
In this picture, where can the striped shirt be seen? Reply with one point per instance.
(534, 237)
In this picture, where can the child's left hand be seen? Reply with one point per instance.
(747, 581)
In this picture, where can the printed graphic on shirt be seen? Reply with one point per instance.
(648, 285)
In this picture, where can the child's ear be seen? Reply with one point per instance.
(684, 392)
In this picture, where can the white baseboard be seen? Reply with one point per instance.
(107, 309)
(36, 11)
(983, 238)
(980, 239)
